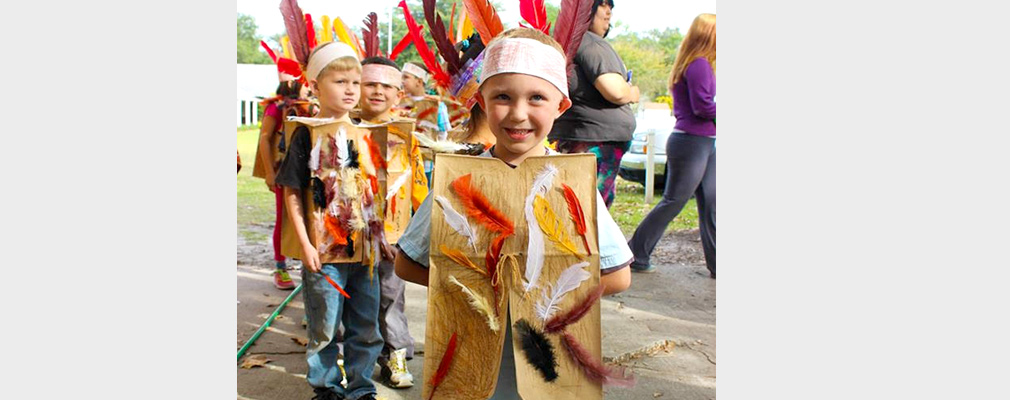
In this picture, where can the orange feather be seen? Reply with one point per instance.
(484, 19)
(460, 259)
(335, 230)
(478, 207)
(575, 209)
(334, 283)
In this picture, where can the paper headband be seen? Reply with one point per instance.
(326, 55)
(416, 71)
(525, 56)
(381, 73)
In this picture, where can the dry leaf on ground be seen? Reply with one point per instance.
(256, 360)
(300, 340)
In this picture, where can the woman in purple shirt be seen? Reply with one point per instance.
(690, 150)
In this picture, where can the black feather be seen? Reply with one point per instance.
(352, 154)
(349, 250)
(318, 192)
(538, 350)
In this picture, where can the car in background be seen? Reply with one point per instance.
(657, 120)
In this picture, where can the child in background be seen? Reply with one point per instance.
(334, 73)
(415, 76)
(381, 83)
(290, 100)
(521, 102)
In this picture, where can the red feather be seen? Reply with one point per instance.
(310, 31)
(289, 66)
(443, 366)
(400, 46)
(270, 52)
(575, 209)
(294, 24)
(484, 19)
(427, 56)
(440, 37)
(571, 24)
(593, 368)
(371, 35)
(479, 208)
(373, 149)
(534, 12)
(558, 322)
(339, 289)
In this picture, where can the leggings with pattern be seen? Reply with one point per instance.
(608, 160)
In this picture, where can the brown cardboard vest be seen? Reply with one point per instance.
(290, 247)
(474, 371)
(399, 139)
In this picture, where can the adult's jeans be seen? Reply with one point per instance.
(690, 168)
(326, 308)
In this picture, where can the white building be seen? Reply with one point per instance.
(255, 81)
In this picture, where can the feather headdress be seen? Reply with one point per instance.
(370, 33)
(484, 18)
(401, 46)
(442, 41)
(294, 24)
(345, 35)
(310, 32)
(441, 77)
(572, 22)
(538, 350)
(535, 14)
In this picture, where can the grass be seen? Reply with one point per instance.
(256, 203)
(629, 208)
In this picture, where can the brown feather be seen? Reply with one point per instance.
(370, 34)
(593, 368)
(558, 322)
(440, 37)
(294, 24)
(572, 22)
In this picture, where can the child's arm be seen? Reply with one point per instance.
(293, 201)
(410, 270)
(617, 281)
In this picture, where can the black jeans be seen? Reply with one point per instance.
(690, 168)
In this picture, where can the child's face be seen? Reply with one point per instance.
(412, 84)
(377, 98)
(521, 110)
(338, 92)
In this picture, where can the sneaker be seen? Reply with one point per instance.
(326, 394)
(282, 280)
(648, 269)
(395, 371)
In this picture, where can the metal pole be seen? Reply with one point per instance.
(269, 320)
(389, 35)
(650, 177)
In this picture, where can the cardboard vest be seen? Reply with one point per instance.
(277, 144)
(352, 199)
(570, 272)
(400, 173)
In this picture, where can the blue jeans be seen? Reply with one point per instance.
(324, 306)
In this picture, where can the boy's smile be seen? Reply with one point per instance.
(521, 110)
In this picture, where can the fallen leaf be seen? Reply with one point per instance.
(300, 340)
(256, 360)
(657, 394)
(271, 305)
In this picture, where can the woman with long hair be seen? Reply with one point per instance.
(690, 150)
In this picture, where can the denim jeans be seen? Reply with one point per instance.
(325, 308)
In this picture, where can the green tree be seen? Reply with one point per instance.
(249, 42)
(650, 55)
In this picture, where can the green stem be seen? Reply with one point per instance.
(268, 321)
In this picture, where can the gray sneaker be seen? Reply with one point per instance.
(395, 370)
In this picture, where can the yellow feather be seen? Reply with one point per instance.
(327, 30)
(286, 46)
(343, 34)
(478, 303)
(551, 226)
(465, 27)
(460, 259)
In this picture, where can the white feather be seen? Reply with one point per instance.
(569, 280)
(441, 146)
(393, 190)
(314, 155)
(458, 222)
(535, 246)
(478, 303)
(342, 155)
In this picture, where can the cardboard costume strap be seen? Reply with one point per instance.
(344, 203)
(481, 206)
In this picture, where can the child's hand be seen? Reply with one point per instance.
(311, 259)
(270, 183)
(387, 251)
